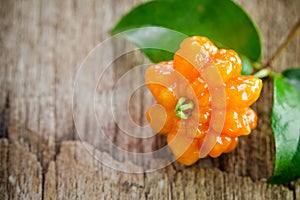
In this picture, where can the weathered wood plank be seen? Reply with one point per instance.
(50, 186)
(80, 177)
(76, 174)
(4, 165)
(5, 24)
(21, 174)
(24, 93)
(42, 44)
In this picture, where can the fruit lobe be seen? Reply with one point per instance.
(185, 104)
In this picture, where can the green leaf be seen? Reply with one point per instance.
(286, 127)
(158, 43)
(293, 76)
(222, 21)
(247, 67)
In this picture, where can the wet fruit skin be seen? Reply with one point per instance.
(184, 108)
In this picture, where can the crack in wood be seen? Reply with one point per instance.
(4, 118)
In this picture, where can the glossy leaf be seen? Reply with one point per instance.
(293, 76)
(158, 43)
(222, 21)
(286, 128)
(247, 66)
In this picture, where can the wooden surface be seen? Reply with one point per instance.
(42, 45)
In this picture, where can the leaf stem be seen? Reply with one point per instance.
(184, 108)
(284, 44)
(263, 73)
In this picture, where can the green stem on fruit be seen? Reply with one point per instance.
(263, 73)
(184, 108)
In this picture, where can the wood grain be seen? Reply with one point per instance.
(45, 155)
(70, 178)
